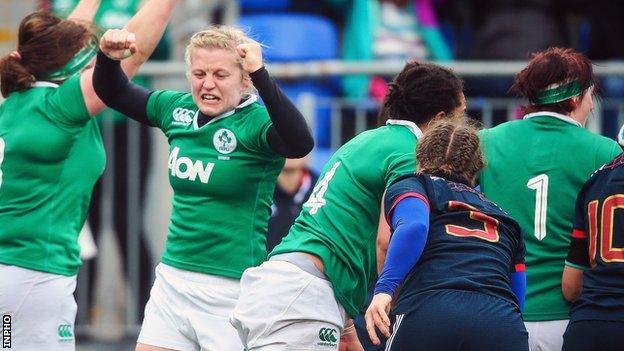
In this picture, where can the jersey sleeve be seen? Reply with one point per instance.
(411, 186)
(66, 104)
(578, 254)
(258, 128)
(400, 165)
(160, 107)
(519, 265)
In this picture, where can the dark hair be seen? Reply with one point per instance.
(45, 43)
(451, 148)
(553, 66)
(420, 91)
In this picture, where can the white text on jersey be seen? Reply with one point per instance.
(185, 168)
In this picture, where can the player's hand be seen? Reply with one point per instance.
(251, 54)
(350, 342)
(118, 44)
(377, 316)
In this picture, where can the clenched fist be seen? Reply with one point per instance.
(118, 44)
(251, 54)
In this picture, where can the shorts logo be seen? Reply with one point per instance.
(224, 141)
(183, 116)
(327, 337)
(65, 332)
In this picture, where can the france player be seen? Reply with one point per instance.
(459, 257)
(594, 268)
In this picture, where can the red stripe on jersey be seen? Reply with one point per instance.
(403, 196)
(578, 234)
(520, 267)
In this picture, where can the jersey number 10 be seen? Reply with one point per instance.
(608, 253)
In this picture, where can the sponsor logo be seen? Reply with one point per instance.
(65, 332)
(185, 168)
(327, 337)
(183, 116)
(224, 141)
(6, 331)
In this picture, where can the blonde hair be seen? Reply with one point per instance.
(451, 148)
(216, 37)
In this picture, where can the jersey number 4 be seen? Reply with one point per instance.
(317, 198)
(608, 253)
(488, 232)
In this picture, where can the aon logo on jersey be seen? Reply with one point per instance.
(185, 168)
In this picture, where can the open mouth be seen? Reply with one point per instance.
(209, 98)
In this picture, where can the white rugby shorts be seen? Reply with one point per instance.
(189, 311)
(282, 307)
(41, 308)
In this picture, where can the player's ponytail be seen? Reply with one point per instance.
(45, 44)
(13, 75)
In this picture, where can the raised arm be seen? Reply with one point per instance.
(85, 10)
(289, 135)
(148, 25)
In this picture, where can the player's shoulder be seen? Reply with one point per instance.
(503, 128)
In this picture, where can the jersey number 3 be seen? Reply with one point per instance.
(488, 232)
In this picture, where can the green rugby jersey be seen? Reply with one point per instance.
(535, 169)
(339, 221)
(223, 176)
(51, 155)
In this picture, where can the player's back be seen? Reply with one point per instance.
(339, 221)
(472, 244)
(602, 199)
(535, 168)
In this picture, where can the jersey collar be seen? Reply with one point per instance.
(407, 124)
(250, 100)
(42, 84)
(564, 118)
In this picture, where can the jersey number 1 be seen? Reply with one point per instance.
(540, 185)
(1, 158)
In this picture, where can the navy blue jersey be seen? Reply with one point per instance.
(598, 245)
(472, 244)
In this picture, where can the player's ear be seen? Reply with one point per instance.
(575, 101)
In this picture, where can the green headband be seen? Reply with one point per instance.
(558, 94)
(76, 64)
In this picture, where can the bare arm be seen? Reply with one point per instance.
(572, 283)
(85, 10)
(148, 25)
(383, 238)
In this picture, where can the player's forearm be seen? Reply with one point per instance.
(148, 25)
(85, 10)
